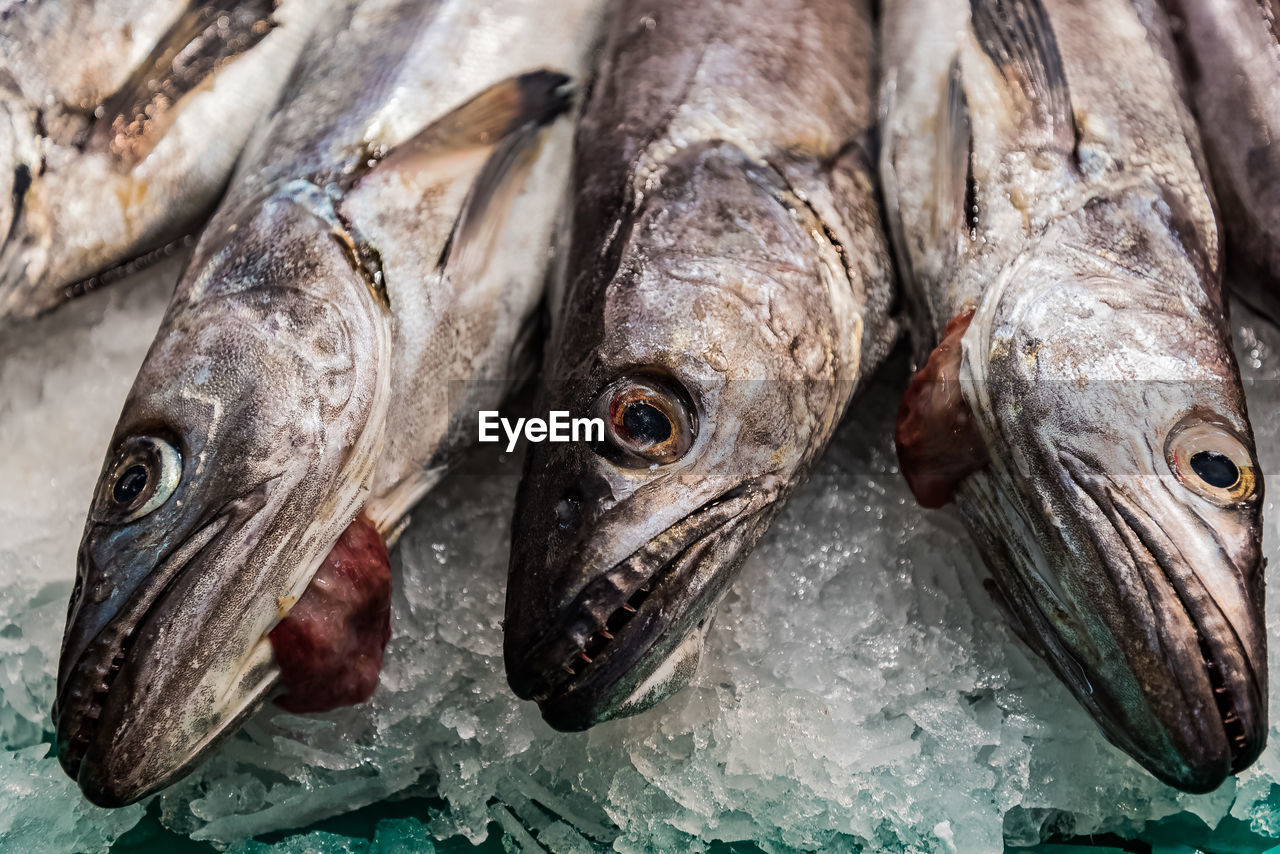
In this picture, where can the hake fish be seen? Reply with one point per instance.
(106, 152)
(726, 288)
(1231, 53)
(355, 300)
(1082, 405)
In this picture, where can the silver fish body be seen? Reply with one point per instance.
(106, 152)
(365, 281)
(1046, 193)
(725, 288)
(1231, 59)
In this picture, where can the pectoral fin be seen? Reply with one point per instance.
(527, 101)
(484, 215)
(1018, 38)
(955, 203)
(504, 125)
(205, 37)
(937, 441)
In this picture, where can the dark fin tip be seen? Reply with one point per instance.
(544, 96)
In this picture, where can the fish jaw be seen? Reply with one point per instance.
(1173, 666)
(1141, 588)
(633, 633)
(269, 380)
(1205, 607)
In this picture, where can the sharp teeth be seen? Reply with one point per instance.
(584, 657)
(604, 633)
(628, 609)
(1231, 718)
(567, 669)
(644, 588)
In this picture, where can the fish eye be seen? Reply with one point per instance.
(1211, 460)
(145, 473)
(646, 422)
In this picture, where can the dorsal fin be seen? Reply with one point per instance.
(1019, 39)
(205, 37)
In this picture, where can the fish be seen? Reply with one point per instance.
(106, 159)
(725, 289)
(1078, 401)
(364, 287)
(1230, 51)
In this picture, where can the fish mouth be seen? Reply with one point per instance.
(92, 694)
(1206, 691)
(624, 625)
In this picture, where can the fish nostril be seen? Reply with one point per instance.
(569, 513)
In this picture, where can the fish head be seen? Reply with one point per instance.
(244, 449)
(710, 408)
(1122, 500)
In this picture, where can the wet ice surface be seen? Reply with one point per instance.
(858, 685)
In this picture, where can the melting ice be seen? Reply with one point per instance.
(858, 686)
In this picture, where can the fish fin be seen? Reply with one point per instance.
(526, 352)
(937, 442)
(955, 202)
(502, 125)
(389, 510)
(529, 100)
(483, 217)
(1018, 38)
(205, 37)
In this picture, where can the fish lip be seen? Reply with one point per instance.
(79, 703)
(575, 654)
(1224, 662)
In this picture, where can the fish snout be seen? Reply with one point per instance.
(111, 605)
(1188, 620)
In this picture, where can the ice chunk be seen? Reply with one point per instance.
(43, 811)
(858, 687)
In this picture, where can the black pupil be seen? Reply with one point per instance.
(130, 484)
(1215, 469)
(646, 424)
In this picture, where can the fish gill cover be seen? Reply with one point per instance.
(915, 721)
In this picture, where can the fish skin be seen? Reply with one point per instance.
(1097, 362)
(726, 243)
(84, 204)
(347, 302)
(1231, 60)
